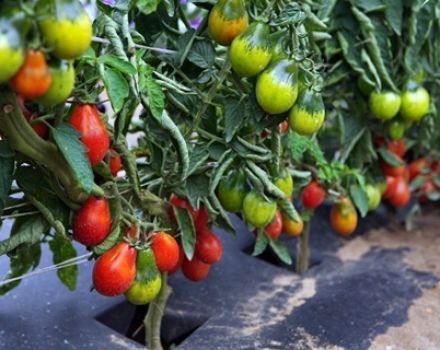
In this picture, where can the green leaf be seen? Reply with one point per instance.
(63, 250)
(147, 6)
(235, 112)
(184, 45)
(196, 187)
(222, 219)
(156, 98)
(113, 238)
(290, 14)
(261, 243)
(27, 229)
(67, 139)
(197, 158)
(280, 250)
(202, 54)
(6, 170)
(117, 63)
(188, 230)
(360, 199)
(394, 14)
(116, 86)
(389, 157)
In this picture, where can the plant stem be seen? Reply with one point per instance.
(153, 319)
(302, 256)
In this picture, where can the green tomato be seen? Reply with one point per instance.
(250, 51)
(307, 115)
(257, 211)
(396, 129)
(232, 190)
(63, 80)
(384, 104)
(415, 104)
(374, 195)
(285, 183)
(11, 48)
(277, 87)
(65, 26)
(364, 86)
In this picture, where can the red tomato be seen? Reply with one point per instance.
(312, 195)
(390, 186)
(275, 227)
(195, 270)
(39, 128)
(434, 165)
(284, 126)
(166, 251)
(130, 231)
(114, 163)
(179, 261)
(427, 187)
(389, 170)
(401, 195)
(397, 147)
(92, 221)
(200, 217)
(86, 120)
(208, 247)
(416, 167)
(115, 270)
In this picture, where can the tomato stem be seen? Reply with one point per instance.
(302, 256)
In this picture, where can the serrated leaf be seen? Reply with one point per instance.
(116, 86)
(360, 199)
(261, 243)
(67, 139)
(202, 54)
(117, 63)
(187, 229)
(235, 112)
(196, 187)
(197, 157)
(63, 250)
(280, 250)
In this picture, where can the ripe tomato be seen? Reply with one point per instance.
(257, 211)
(307, 115)
(374, 196)
(33, 78)
(434, 166)
(40, 128)
(63, 80)
(227, 19)
(415, 103)
(401, 193)
(92, 221)
(397, 147)
(285, 182)
(131, 231)
(424, 191)
(200, 217)
(166, 251)
(179, 261)
(195, 270)
(389, 187)
(284, 126)
(343, 217)
(384, 105)
(115, 270)
(231, 191)
(250, 51)
(416, 167)
(312, 195)
(208, 248)
(277, 86)
(11, 48)
(65, 26)
(396, 129)
(274, 228)
(86, 120)
(389, 170)
(115, 163)
(292, 228)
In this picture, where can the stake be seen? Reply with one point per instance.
(302, 257)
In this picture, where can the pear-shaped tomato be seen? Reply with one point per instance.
(258, 211)
(11, 47)
(33, 78)
(250, 52)
(312, 195)
(285, 182)
(86, 120)
(115, 270)
(231, 191)
(63, 79)
(292, 228)
(227, 19)
(208, 248)
(65, 26)
(277, 87)
(415, 103)
(166, 251)
(308, 113)
(148, 281)
(384, 105)
(343, 216)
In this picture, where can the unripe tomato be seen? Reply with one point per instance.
(307, 115)
(195, 270)
(200, 217)
(250, 51)
(390, 170)
(401, 193)
(285, 182)
(416, 167)
(92, 221)
(93, 133)
(258, 211)
(374, 196)
(63, 80)
(166, 251)
(274, 228)
(40, 128)
(115, 270)
(277, 86)
(11, 48)
(208, 248)
(114, 163)
(384, 105)
(227, 19)
(33, 78)
(415, 104)
(343, 217)
(312, 195)
(396, 129)
(65, 26)
(231, 191)
(292, 228)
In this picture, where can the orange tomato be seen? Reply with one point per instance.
(343, 217)
(292, 228)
